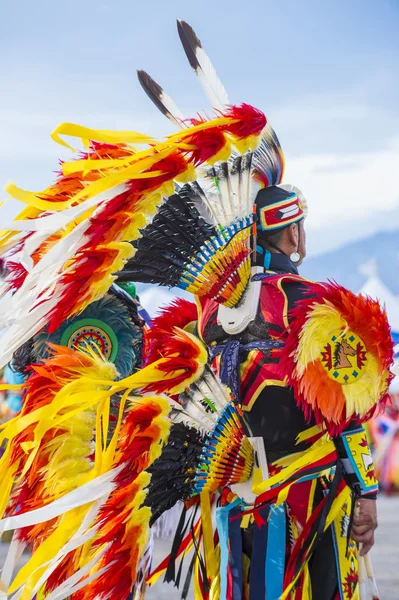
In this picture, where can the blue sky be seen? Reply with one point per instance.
(324, 72)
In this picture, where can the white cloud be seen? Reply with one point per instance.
(346, 193)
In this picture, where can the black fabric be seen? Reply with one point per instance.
(275, 415)
(322, 564)
(322, 569)
(279, 263)
(276, 418)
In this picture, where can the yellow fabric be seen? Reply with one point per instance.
(311, 499)
(214, 593)
(207, 532)
(307, 585)
(316, 453)
(358, 447)
(307, 434)
(198, 595)
(347, 553)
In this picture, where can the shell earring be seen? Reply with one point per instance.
(295, 257)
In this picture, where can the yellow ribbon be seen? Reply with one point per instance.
(315, 454)
(99, 135)
(207, 531)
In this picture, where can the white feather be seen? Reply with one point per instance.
(213, 87)
(229, 192)
(176, 115)
(25, 312)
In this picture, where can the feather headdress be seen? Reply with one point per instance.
(214, 263)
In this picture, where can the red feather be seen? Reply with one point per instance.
(177, 314)
(250, 121)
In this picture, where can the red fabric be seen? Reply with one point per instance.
(273, 307)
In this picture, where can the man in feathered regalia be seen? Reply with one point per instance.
(248, 406)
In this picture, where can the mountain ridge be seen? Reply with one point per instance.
(344, 264)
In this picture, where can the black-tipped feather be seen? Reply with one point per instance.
(158, 96)
(173, 473)
(168, 243)
(190, 43)
(203, 67)
(268, 158)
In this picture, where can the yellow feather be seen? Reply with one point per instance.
(323, 320)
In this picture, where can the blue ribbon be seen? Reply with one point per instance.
(275, 553)
(223, 514)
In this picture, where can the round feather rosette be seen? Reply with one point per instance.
(338, 356)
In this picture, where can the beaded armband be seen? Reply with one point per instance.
(358, 463)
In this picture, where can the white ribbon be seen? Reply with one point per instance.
(96, 489)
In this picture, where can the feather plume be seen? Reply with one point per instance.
(268, 159)
(179, 249)
(51, 454)
(180, 313)
(227, 189)
(91, 246)
(197, 196)
(68, 258)
(162, 101)
(124, 519)
(168, 243)
(173, 473)
(110, 318)
(203, 67)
